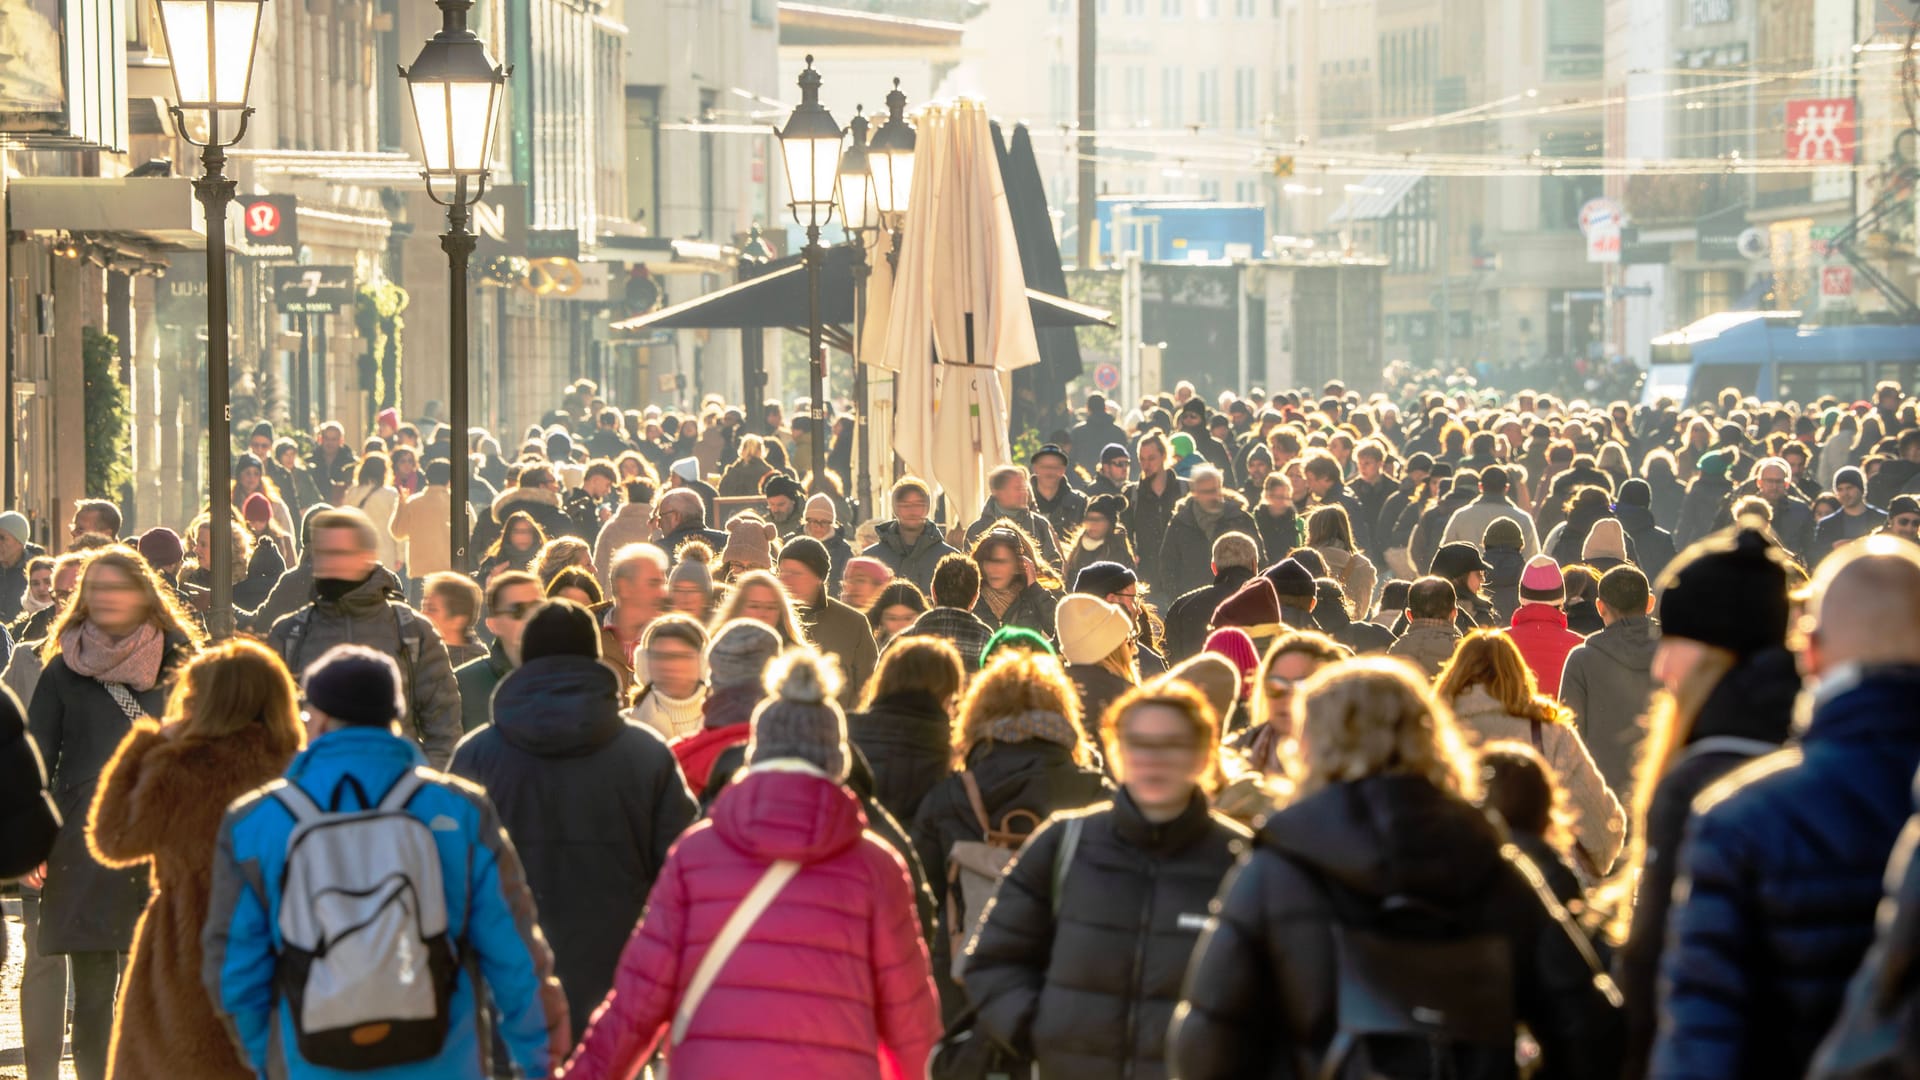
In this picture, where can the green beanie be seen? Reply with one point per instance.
(1715, 462)
(1016, 637)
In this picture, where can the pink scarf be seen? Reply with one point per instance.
(133, 660)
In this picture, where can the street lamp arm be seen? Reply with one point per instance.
(180, 128)
(460, 198)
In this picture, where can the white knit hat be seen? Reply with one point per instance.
(1090, 628)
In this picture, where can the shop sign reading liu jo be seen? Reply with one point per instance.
(1709, 12)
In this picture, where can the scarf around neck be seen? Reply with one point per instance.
(1032, 725)
(999, 600)
(133, 660)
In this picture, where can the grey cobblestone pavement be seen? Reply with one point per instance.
(11, 1067)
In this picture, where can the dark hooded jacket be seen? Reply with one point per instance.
(1092, 990)
(1607, 681)
(1190, 618)
(1261, 990)
(1748, 714)
(1781, 873)
(1027, 521)
(1697, 511)
(1186, 553)
(914, 563)
(907, 738)
(1503, 581)
(1147, 516)
(591, 803)
(1652, 545)
(1064, 511)
(375, 614)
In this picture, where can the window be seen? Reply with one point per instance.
(1409, 234)
(1170, 9)
(1561, 197)
(1209, 9)
(1210, 189)
(1060, 91)
(1574, 38)
(765, 12)
(708, 169)
(1246, 104)
(1244, 9)
(1243, 191)
(1135, 8)
(1206, 99)
(643, 157)
(1136, 102)
(1173, 112)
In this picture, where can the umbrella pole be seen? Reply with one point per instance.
(816, 358)
(863, 468)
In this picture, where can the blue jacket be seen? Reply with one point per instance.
(1780, 876)
(489, 910)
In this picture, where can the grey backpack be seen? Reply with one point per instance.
(367, 968)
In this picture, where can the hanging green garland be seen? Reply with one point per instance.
(109, 416)
(376, 312)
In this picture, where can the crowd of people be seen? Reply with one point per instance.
(1289, 734)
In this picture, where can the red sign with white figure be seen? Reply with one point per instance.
(1820, 129)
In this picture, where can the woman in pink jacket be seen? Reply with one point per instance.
(831, 979)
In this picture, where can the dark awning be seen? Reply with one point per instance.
(777, 298)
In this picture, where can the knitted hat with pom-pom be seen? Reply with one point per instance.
(802, 719)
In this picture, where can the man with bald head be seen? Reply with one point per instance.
(681, 517)
(1781, 870)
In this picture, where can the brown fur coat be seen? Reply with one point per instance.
(161, 799)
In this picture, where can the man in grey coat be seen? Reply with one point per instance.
(357, 601)
(1469, 523)
(1608, 680)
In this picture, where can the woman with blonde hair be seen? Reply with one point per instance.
(1292, 658)
(231, 725)
(757, 595)
(1495, 697)
(1384, 865)
(110, 661)
(1725, 688)
(748, 471)
(1020, 756)
(1043, 971)
(374, 493)
(561, 553)
(1330, 532)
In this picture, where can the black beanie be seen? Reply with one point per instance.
(809, 553)
(560, 628)
(1729, 591)
(1636, 492)
(355, 685)
(1101, 578)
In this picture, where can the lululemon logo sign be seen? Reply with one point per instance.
(263, 219)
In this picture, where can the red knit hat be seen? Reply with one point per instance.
(1236, 647)
(257, 510)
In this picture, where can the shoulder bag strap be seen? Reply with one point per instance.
(124, 698)
(1063, 858)
(1539, 740)
(778, 874)
(974, 800)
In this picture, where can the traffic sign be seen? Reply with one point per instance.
(1283, 166)
(1106, 377)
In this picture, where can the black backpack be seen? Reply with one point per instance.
(1418, 997)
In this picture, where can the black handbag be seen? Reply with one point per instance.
(967, 1053)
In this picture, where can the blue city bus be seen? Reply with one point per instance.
(1773, 356)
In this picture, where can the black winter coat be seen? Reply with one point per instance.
(1190, 618)
(1781, 873)
(1147, 516)
(1749, 713)
(1186, 553)
(1279, 533)
(908, 741)
(914, 563)
(1098, 689)
(591, 803)
(1092, 990)
(1262, 988)
(1033, 609)
(1064, 512)
(1652, 545)
(28, 820)
(87, 907)
(1698, 509)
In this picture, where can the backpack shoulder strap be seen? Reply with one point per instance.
(1539, 738)
(402, 791)
(732, 934)
(974, 800)
(297, 802)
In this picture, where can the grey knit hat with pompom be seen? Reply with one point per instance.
(801, 719)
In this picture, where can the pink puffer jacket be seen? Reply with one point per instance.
(832, 981)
